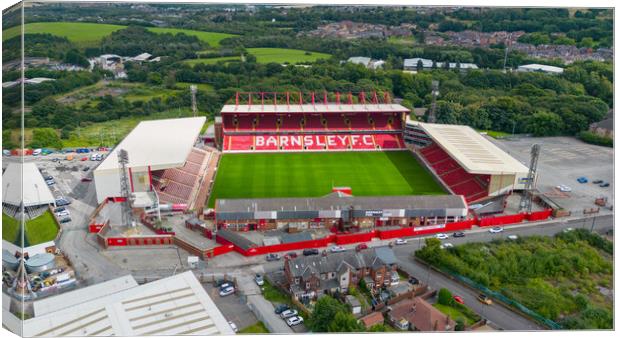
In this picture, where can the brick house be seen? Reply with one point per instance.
(313, 276)
(419, 315)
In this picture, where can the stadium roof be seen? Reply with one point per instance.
(472, 150)
(340, 201)
(35, 190)
(160, 144)
(176, 305)
(314, 108)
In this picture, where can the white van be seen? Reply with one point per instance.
(93, 157)
(36, 152)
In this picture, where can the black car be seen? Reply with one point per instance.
(65, 220)
(597, 181)
(86, 169)
(604, 185)
(458, 234)
(272, 257)
(310, 252)
(413, 281)
(281, 308)
(60, 209)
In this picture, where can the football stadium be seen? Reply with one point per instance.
(302, 169)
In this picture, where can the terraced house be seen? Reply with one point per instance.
(312, 276)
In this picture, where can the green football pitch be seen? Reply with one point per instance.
(314, 174)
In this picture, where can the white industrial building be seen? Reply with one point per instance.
(151, 146)
(534, 67)
(23, 184)
(173, 306)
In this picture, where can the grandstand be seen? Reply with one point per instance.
(466, 162)
(163, 160)
(279, 125)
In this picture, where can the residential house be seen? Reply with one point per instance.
(372, 319)
(603, 128)
(419, 315)
(312, 276)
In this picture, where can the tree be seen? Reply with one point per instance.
(444, 297)
(170, 80)
(7, 143)
(344, 322)
(420, 65)
(154, 78)
(378, 328)
(460, 324)
(325, 310)
(45, 137)
(544, 123)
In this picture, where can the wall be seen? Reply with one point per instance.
(355, 238)
(501, 220)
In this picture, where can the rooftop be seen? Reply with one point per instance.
(176, 305)
(473, 151)
(161, 144)
(314, 108)
(542, 68)
(24, 182)
(422, 315)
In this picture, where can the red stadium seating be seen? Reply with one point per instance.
(175, 185)
(473, 187)
(389, 141)
(312, 142)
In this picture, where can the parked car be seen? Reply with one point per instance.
(564, 188)
(400, 241)
(93, 157)
(291, 255)
(50, 181)
(458, 299)
(259, 280)
(272, 257)
(604, 185)
(233, 326)
(288, 313)
(86, 179)
(496, 230)
(292, 321)
(36, 152)
(597, 181)
(337, 248)
(65, 220)
(60, 209)
(582, 179)
(227, 291)
(567, 230)
(62, 213)
(361, 246)
(413, 281)
(60, 202)
(55, 159)
(221, 282)
(310, 252)
(281, 308)
(86, 168)
(484, 299)
(458, 234)
(513, 237)
(394, 278)
(446, 246)
(441, 236)
(225, 285)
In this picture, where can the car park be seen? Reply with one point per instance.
(227, 291)
(458, 299)
(482, 298)
(400, 241)
(441, 236)
(458, 234)
(361, 246)
(292, 321)
(604, 185)
(233, 326)
(259, 280)
(272, 257)
(310, 252)
(582, 179)
(495, 230)
(337, 248)
(288, 313)
(281, 308)
(446, 246)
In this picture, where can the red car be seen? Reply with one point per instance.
(84, 159)
(458, 299)
(87, 179)
(291, 255)
(361, 247)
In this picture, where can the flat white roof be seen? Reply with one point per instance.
(473, 151)
(176, 305)
(314, 108)
(35, 190)
(542, 68)
(160, 144)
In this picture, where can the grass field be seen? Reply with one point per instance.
(10, 228)
(267, 55)
(41, 229)
(258, 327)
(86, 34)
(314, 174)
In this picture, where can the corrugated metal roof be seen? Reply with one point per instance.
(35, 190)
(473, 151)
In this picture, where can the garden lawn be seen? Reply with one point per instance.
(10, 228)
(454, 313)
(267, 55)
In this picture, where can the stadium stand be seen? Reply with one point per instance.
(177, 185)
